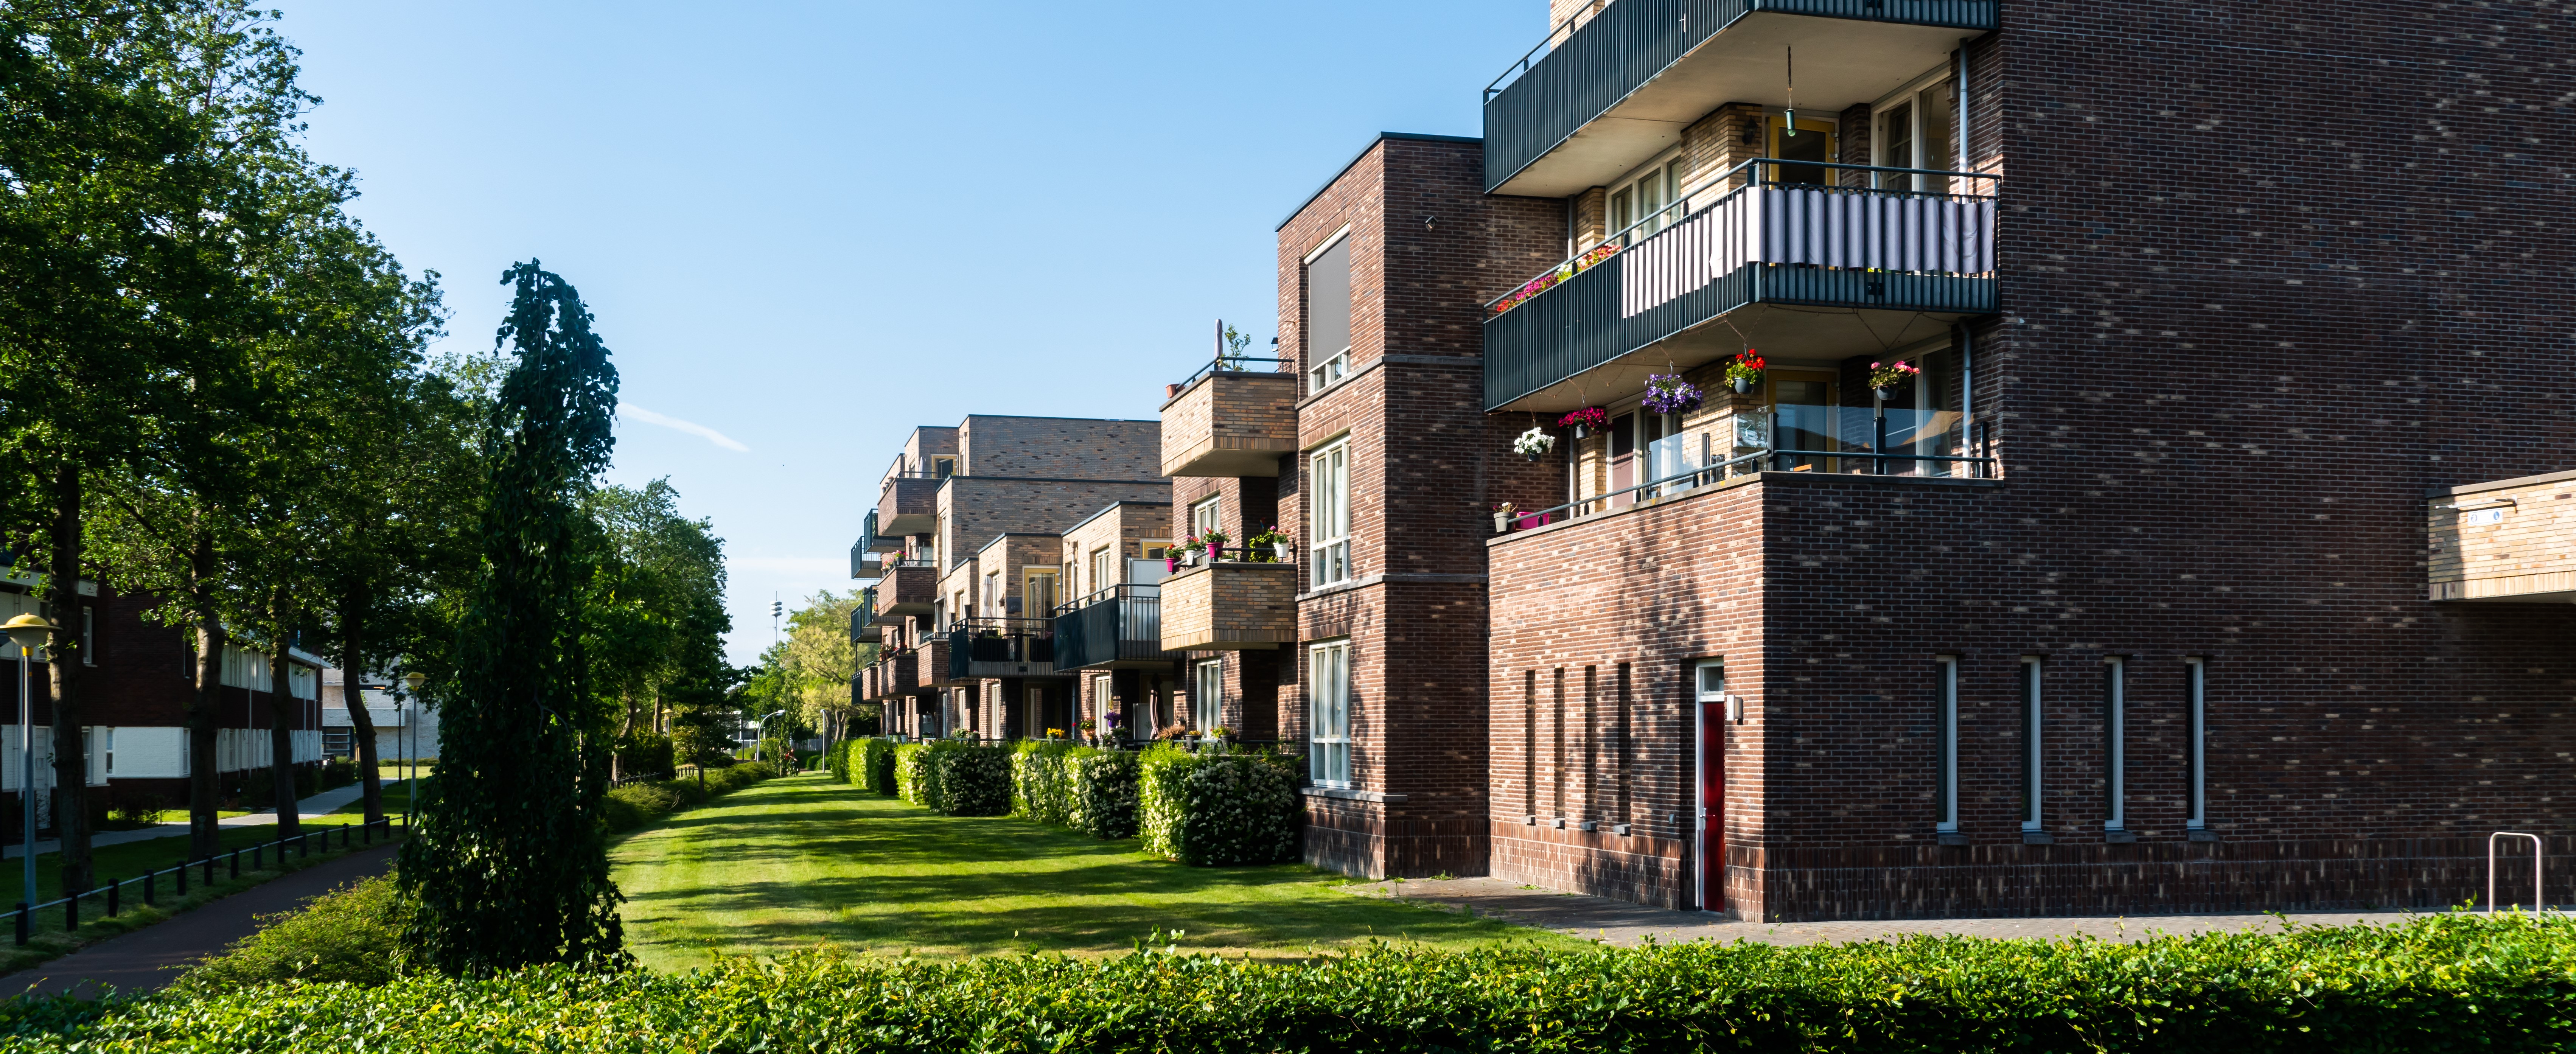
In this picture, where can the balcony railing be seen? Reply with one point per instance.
(1001, 647)
(874, 540)
(1575, 75)
(863, 617)
(1114, 625)
(1233, 364)
(1790, 438)
(1768, 239)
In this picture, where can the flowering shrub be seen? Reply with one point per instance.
(1217, 806)
(1534, 444)
(1104, 794)
(1668, 393)
(1548, 281)
(1592, 417)
(1747, 367)
(1892, 374)
(1042, 780)
(1261, 544)
(973, 780)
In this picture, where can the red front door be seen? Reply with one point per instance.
(1708, 848)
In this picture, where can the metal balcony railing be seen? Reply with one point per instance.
(1233, 364)
(999, 640)
(1120, 623)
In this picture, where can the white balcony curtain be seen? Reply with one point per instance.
(1820, 226)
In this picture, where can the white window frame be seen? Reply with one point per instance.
(1104, 567)
(1328, 713)
(1911, 95)
(1030, 594)
(2115, 743)
(1206, 515)
(994, 595)
(1626, 203)
(1946, 785)
(2196, 700)
(1330, 370)
(1207, 695)
(89, 635)
(2033, 727)
(1329, 469)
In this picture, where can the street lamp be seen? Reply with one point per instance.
(28, 632)
(761, 729)
(411, 748)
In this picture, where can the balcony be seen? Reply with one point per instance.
(900, 674)
(875, 540)
(865, 566)
(936, 669)
(1001, 647)
(910, 587)
(1231, 605)
(909, 504)
(1909, 262)
(1115, 628)
(2509, 541)
(1226, 420)
(863, 618)
(1588, 104)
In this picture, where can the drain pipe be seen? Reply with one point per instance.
(1967, 391)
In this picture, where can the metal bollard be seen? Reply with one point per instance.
(71, 912)
(147, 886)
(210, 871)
(255, 850)
(111, 898)
(22, 923)
(236, 864)
(181, 883)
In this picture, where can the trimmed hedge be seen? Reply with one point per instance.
(636, 804)
(1104, 794)
(836, 760)
(914, 780)
(1042, 779)
(973, 780)
(2442, 983)
(1217, 806)
(873, 768)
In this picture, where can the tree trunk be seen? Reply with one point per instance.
(281, 742)
(204, 709)
(362, 726)
(71, 756)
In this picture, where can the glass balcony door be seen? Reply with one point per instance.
(1813, 142)
(1804, 418)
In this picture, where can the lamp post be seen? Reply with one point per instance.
(28, 632)
(411, 746)
(761, 730)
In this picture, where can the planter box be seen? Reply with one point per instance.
(1230, 607)
(2511, 540)
(1231, 424)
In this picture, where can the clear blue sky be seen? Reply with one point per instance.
(810, 227)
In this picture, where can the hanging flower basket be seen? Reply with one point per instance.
(1885, 379)
(1745, 373)
(1584, 420)
(1668, 393)
(1534, 444)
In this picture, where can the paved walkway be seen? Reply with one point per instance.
(155, 955)
(1628, 925)
(328, 801)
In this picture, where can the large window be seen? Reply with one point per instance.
(1328, 703)
(1037, 591)
(994, 600)
(1330, 475)
(1104, 568)
(2031, 814)
(1650, 201)
(1914, 130)
(2196, 703)
(2115, 744)
(1328, 314)
(1203, 517)
(1945, 719)
(1207, 695)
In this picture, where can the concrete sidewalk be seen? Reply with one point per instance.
(155, 955)
(327, 802)
(1628, 925)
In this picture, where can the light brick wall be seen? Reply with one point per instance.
(1229, 607)
(2527, 547)
(1231, 424)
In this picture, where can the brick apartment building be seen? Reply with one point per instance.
(965, 547)
(140, 677)
(2218, 557)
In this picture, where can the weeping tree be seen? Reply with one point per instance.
(509, 866)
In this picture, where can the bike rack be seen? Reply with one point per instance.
(2539, 850)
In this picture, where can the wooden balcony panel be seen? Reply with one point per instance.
(2510, 540)
(1230, 607)
(1231, 424)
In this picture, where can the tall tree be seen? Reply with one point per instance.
(509, 866)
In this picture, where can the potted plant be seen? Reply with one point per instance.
(1884, 379)
(1535, 443)
(1745, 373)
(1668, 393)
(1583, 421)
(1087, 725)
(1215, 542)
(1109, 724)
(1271, 545)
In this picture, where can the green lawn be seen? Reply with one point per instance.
(801, 861)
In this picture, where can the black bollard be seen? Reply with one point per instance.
(71, 913)
(181, 883)
(255, 852)
(111, 898)
(147, 886)
(22, 924)
(236, 864)
(210, 871)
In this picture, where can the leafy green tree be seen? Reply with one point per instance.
(656, 613)
(509, 866)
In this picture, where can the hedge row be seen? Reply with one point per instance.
(960, 779)
(636, 804)
(1071, 785)
(2436, 984)
(1216, 806)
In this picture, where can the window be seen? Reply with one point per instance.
(2115, 744)
(1203, 517)
(1331, 471)
(993, 599)
(1207, 695)
(2195, 701)
(2030, 774)
(1328, 314)
(1328, 702)
(1104, 568)
(943, 467)
(1155, 548)
(1037, 591)
(1650, 202)
(1945, 720)
(1914, 129)
(89, 636)
(108, 750)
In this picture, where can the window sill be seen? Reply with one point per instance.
(1352, 794)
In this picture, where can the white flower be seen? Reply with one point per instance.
(1534, 441)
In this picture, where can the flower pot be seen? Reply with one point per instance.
(1885, 394)
(1743, 385)
(1530, 454)
(1581, 432)
(1280, 550)
(1214, 551)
